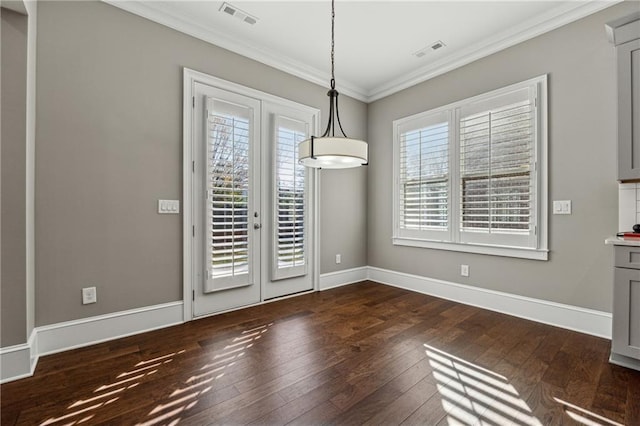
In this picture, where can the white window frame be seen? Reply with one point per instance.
(451, 240)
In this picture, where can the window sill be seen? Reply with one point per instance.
(522, 253)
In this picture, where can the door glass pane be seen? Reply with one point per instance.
(290, 200)
(228, 192)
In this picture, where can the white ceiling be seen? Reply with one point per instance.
(375, 40)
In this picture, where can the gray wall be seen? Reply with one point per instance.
(109, 144)
(13, 316)
(582, 162)
(343, 215)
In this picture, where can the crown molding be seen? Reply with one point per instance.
(153, 11)
(550, 20)
(554, 18)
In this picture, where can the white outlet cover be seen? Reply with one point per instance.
(464, 270)
(89, 295)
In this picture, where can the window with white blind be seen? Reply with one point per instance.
(471, 176)
(424, 177)
(289, 200)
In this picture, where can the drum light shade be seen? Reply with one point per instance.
(332, 153)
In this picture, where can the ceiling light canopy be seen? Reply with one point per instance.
(330, 151)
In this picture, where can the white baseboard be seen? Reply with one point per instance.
(19, 361)
(575, 318)
(340, 278)
(88, 331)
(624, 361)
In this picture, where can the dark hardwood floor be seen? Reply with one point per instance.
(361, 354)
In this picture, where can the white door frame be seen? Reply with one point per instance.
(189, 276)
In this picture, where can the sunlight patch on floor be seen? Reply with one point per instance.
(585, 417)
(160, 358)
(472, 394)
(141, 369)
(145, 368)
(210, 372)
(95, 398)
(84, 410)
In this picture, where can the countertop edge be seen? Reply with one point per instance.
(617, 241)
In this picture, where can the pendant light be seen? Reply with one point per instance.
(330, 151)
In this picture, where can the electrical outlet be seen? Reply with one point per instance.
(338, 258)
(89, 295)
(464, 270)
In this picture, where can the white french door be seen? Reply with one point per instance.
(252, 205)
(290, 203)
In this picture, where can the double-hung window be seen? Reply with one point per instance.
(471, 176)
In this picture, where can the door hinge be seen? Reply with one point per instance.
(193, 295)
(193, 231)
(193, 101)
(193, 167)
(206, 274)
(535, 230)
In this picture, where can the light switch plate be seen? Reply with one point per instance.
(562, 207)
(169, 206)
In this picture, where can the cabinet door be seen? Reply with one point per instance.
(628, 101)
(626, 312)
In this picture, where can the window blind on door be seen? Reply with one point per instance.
(290, 254)
(496, 166)
(228, 128)
(424, 177)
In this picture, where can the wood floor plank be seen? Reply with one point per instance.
(361, 409)
(610, 398)
(429, 413)
(403, 406)
(632, 414)
(318, 415)
(365, 353)
(545, 406)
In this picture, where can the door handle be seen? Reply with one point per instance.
(257, 225)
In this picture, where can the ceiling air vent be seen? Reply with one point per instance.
(237, 13)
(432, 47)
(437, 45)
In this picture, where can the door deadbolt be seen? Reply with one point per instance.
(257, 226)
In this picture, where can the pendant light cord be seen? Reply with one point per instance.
(334, 115)
(333, 44)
